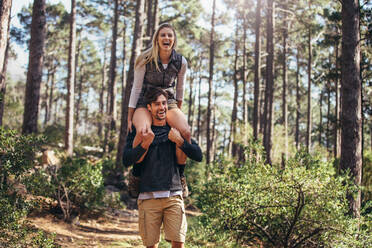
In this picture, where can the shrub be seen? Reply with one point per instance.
(17, 154)
(77, 185)
(256, 204)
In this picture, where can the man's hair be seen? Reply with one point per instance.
(152, 94)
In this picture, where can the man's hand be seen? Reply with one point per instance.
(175, 136)
(147, 137)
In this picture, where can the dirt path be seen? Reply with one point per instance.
(116, 228)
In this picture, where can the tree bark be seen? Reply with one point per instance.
(285, 79)
(69, 129)
(309, 114)
(298, 99)
(122, 137)
(320, 118)
(257, 72)
(351, 120)
(244, 79)
(112, 84)
(199, 109)
(5, 11)
(209, 157)
(136, 48)
(191, 105)
(328, 117)
(337, 140)
(234, 113)
(51, 93)
(46, 97)
(101, 94)
(268, 111)
(35, 67)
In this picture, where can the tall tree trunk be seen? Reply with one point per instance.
(298, 99)
(328, 117)
(122, 137)
(112, 84)
(268, 111)
(136, 48)
(101, 94)
(78, 85)
(285, 79)
(199, 110)
(351, 120)
(214, 132)
(79, 96)
(320, 118)
(5, 10)
(150, 24)
(209, 157)
(309, 114)
(51, 93)
(69, 130)
(192, 113)
(191, 105)
(244, 79)
(155, 16)
(35, 67)
(46, 97)
(234, 113)
(337, 139)
(257, 72)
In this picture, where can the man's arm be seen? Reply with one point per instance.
(136, 154)
(192, 150)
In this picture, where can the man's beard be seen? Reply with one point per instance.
(160, 116)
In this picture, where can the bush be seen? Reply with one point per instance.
(17, 153)
(77, 185)
(304, 205)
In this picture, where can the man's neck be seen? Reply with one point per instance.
(156, 122)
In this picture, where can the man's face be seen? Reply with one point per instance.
(158, 108)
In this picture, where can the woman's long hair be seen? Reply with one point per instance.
(152, 54)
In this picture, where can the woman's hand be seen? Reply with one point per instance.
(129, 128)
(130, 116)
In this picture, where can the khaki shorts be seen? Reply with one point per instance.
(167, 211)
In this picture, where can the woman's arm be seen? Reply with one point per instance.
(181, 78)
(139, 75)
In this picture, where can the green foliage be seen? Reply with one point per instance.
(367, 179)
(54, 133)
(303, 205)
(77, 185)
(17, 154)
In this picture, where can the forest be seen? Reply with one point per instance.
(278, 94)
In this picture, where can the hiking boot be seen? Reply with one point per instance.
(185, 189)
(133, 185)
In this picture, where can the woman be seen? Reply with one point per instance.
(159, 66)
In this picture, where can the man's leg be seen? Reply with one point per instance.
(150, 217)
(174, 221)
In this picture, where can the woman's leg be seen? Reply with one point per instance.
(142, 121)
(177, 119)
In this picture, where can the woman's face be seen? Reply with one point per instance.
(166, 39)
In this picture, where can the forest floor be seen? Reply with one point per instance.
(112, 228)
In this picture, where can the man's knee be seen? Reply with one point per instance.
(176, 244)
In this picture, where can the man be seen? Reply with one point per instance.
(157, 155)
